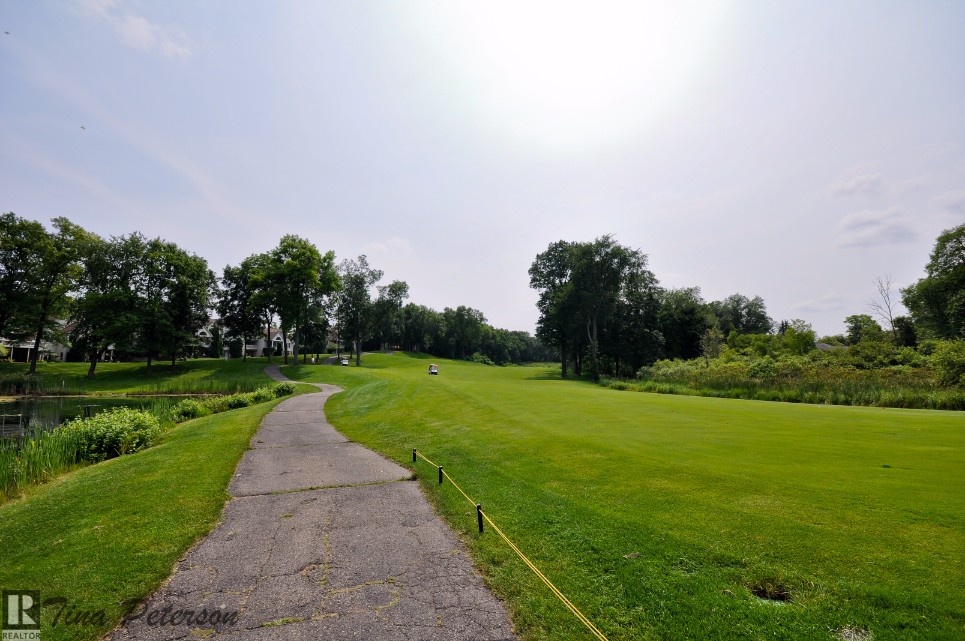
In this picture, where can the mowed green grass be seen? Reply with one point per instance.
(656, 515)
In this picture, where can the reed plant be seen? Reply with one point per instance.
(35, 457)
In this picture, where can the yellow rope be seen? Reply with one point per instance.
(422, 456)
(562, 597)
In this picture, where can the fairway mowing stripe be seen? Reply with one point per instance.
(556, 591)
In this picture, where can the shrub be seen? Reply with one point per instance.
(761, 369)
(118, 431)
(481, 358)
(187, 409)
(284, 389)
(949, 360)
(236, 401)
(216, 404)
(264, 394)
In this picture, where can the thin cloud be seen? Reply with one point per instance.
(951, 201)
(827, 303)
(390, 246)
(213, 195)
(863, 184)
(909, 185)
(137, 31)
(869, 228)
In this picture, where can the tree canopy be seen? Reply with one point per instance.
(937, 301)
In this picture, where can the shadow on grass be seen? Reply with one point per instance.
(555, 375)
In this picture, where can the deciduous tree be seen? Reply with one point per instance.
(355, 301)
(236, 302)
(937, 301)
(20, 255)
(55, 276)
(105, 310)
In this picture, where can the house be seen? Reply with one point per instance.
(274, 338)
(50, 350)
(259, 344)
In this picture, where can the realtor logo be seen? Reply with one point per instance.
(21, 615)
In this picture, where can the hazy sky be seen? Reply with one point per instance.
(793, 150)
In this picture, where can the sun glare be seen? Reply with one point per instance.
(572, 75)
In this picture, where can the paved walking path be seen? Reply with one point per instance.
(323, 539)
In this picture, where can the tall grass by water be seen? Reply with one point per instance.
(37, 457)
(44, 452)
(196, 376)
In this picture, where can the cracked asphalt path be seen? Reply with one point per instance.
(322, 539)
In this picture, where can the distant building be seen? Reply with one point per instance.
(49, 349)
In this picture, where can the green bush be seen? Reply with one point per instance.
(217, 404)
(481, 358)
(949, 360)
(284, 389)
(118, 431)
(237, 401)
(265, 394)
(190, 408)
(187, 409)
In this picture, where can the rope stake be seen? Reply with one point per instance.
(481, 516)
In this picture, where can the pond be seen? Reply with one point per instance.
(51, 411)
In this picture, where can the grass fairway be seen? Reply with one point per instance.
(660, 515)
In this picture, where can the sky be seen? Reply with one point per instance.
(791, 150)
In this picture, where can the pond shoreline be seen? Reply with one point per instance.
(20, 397)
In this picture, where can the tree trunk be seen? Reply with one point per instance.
(271, 345)
(150, 360)
(36, 353)
(94, 357)
(295, 343)
(563, 355)
(594, 357)
(358, 340)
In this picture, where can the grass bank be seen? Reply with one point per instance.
(195, 376)
(106, 536)
(666, 517)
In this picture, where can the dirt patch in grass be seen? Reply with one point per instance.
(851, 633)
(770, 590)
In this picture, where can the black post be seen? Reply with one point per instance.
(479, 517)
(440, 475)
(413, 455)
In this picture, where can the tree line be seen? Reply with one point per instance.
(602, 309)
(148, 298)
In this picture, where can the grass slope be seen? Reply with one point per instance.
(107, 535)
(658, 515)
